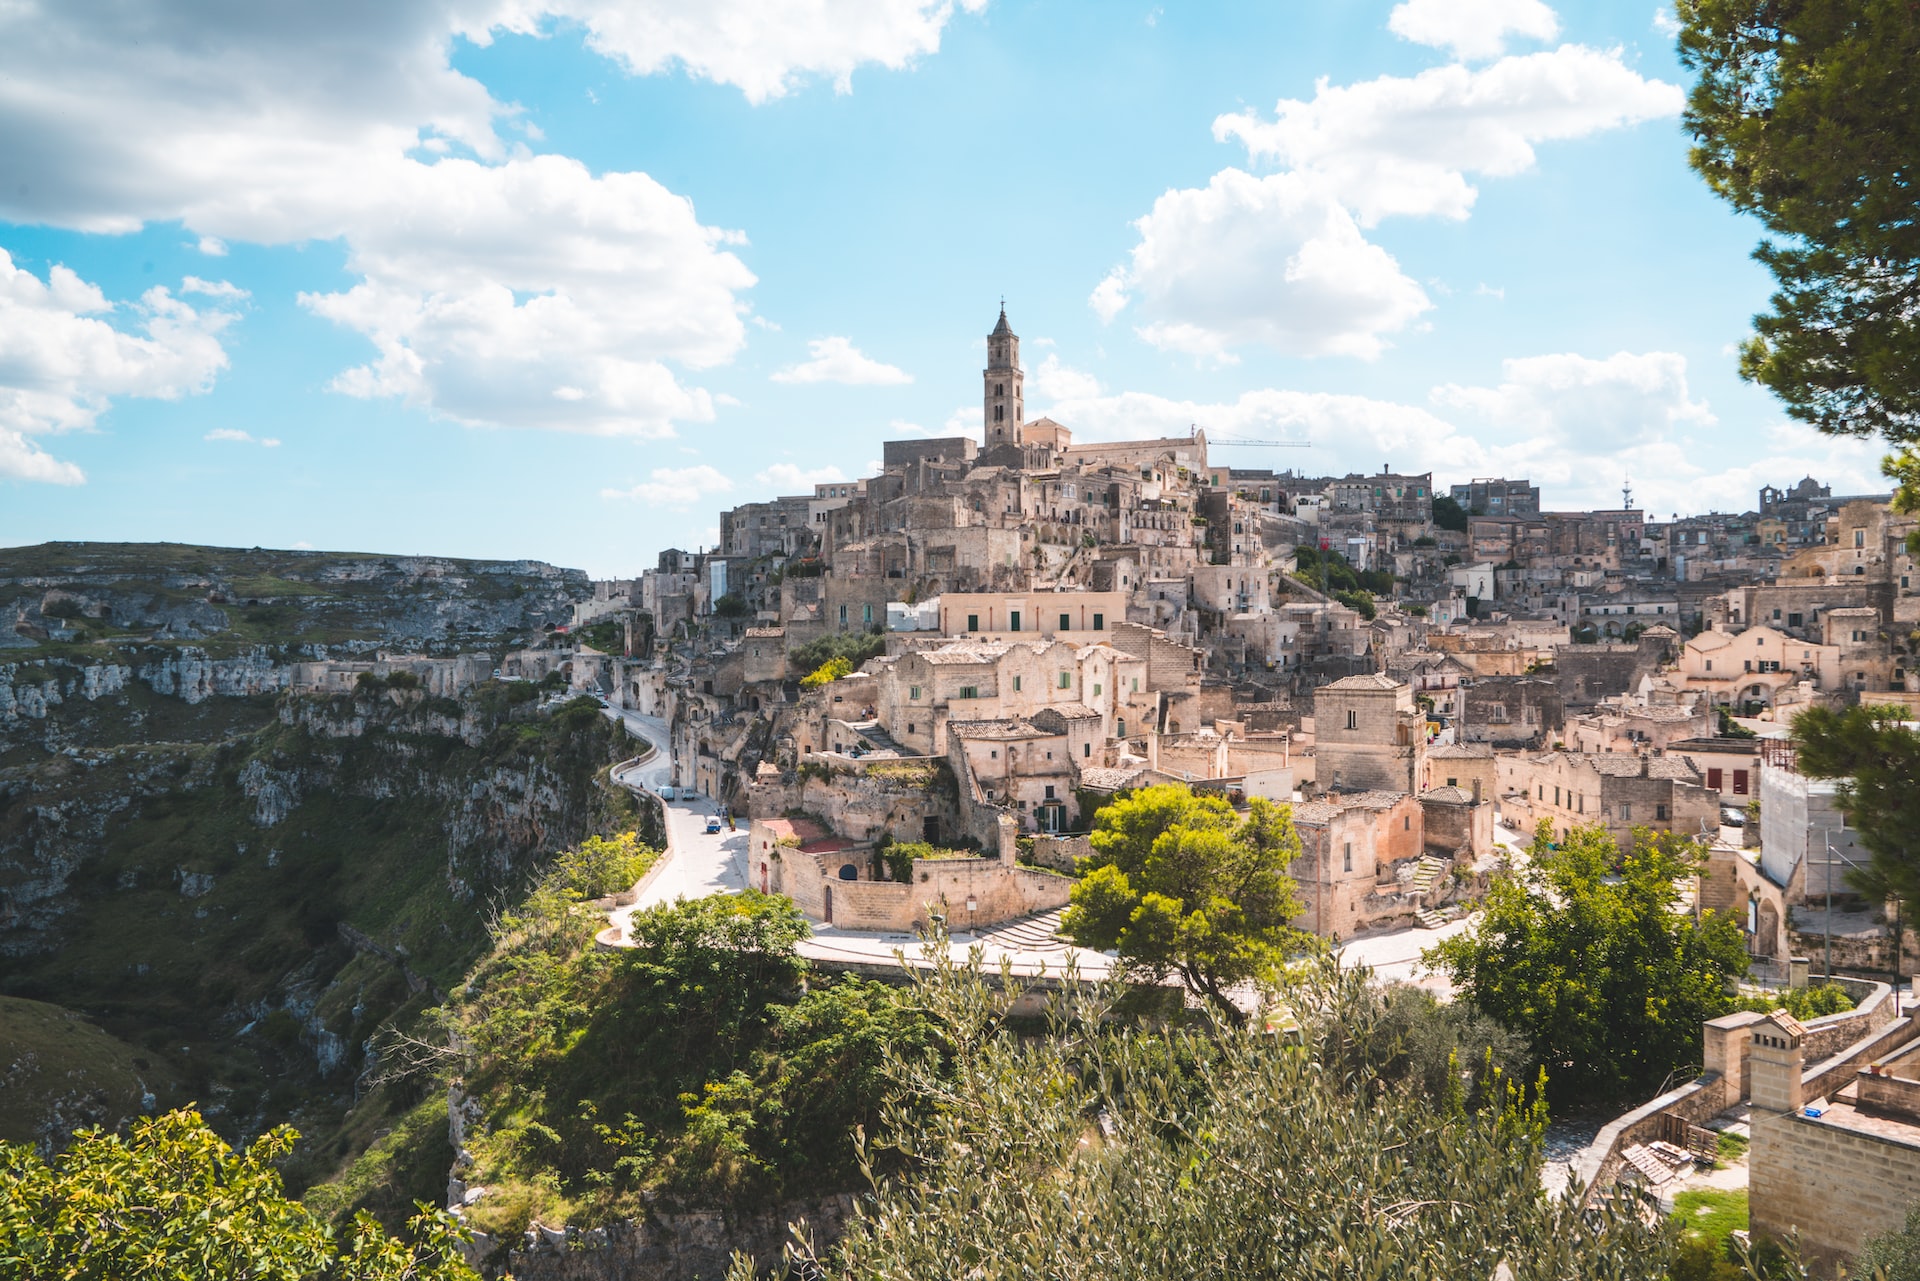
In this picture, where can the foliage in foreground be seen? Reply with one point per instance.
(1894, 1256)
(1180, 884)
(173, 1202)
(704, 1064)
(1119, 1152)
(1878, 762)
(1603, 973)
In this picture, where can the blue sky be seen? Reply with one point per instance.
(562, 278)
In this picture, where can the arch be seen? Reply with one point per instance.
(849, 872)
(826, 912)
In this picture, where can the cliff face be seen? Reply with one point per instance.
(240, 882)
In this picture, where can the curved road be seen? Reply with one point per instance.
(694, 864)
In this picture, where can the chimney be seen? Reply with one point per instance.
(1775, 1064)
(1476, 791)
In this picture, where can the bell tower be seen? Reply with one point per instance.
(1006, 394)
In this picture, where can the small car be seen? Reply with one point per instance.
(1733, 816)
(713, 825)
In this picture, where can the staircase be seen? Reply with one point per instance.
(1433, 918)
(879, 738)
(1037, 933)
(1426, 872)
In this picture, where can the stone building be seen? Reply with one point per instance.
(1368, 735)
(1617, 790)
(1832, 1171)
(1511, 711)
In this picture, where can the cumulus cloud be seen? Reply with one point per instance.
(1055, 381)
(790, 478)
(765, 48)
(63, 361)
(1272, 260)
(1283, 260)
(1406, 145)
(1610, 404)
(1472, 28)
(213, 288)
(496, 287)
(837, 360)
(239, 437)
(675, 486)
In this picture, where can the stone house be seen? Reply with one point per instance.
(1467, 766)
(1368, 735)
(1023, 766)
(1616, 790)
(1757, 665)
(1351, 846)
(1511, 711)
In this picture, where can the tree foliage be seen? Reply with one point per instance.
(1119, 1152)
(1449, 514)
(1893, 1256)
(1806, 114)
(855, 647)
(1878, 761)
(827, 673)
(172, 1202)
(1600, 970)
(1178, 884)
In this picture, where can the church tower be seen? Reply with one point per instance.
(1006, 395)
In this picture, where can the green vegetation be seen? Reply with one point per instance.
(1896, 1254)
(1705, 1220)
(172, 1201)
(608, 635)
(1178, 883)
(1329, 572)
(898, 857)
(1589, 956)
(1449, 514)
(730, 606)
(1108, 1149)
(1730, 728)
(1814, 1001)
(1804, 117)
(1878, 762)
(698, 1065)
(1731, 1146)
(855, 647)
(54, 1059)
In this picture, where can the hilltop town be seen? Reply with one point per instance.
(1026, 624)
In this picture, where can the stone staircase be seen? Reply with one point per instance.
(1037, 933)
(1426, 872)
(881, 740)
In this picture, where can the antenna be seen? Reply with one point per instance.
(1626, 493)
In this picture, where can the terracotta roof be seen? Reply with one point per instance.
(765, 633)
(1449, 795)
(1627, 764)
(991, 730)
(1103, 778)
(1461, 752)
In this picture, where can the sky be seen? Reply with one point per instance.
(561, 279)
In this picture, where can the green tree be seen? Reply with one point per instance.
(1807, 115)
(1178, 883)
(172, 1202)
(1894, 1256)
(1107, 1150)
(1878, 761)
(1449, 514)
(1602, 971)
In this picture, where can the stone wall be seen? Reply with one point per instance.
(1835, 1187)
(998, 891)
(686, 1245)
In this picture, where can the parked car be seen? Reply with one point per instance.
(713, 824)
(1733, 816)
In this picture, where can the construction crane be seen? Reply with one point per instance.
(1264, 444)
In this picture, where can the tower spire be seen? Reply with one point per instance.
(1004, 384)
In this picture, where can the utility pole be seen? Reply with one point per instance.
(1827, 836)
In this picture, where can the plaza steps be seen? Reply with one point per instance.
(1037, 933)
(1426, 872)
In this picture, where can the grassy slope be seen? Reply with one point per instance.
(54, 1062)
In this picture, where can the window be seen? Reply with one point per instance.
(1713, 779)
(1096, 689)
(973, 622)
(1626, 812)
(1556, 796)
(1740, 782)
(1086, 749)
(1859, 538)
(1453, 782)
(910, 727)
(1100, 620)
(1406, 823)
(1349, 857)
(866, 612)
(1066, 680)
(1353, 720)
(1013, 620)
(1660, 812)
(913, 692)
(1016, 684)
(999, 413)
(1049, 791)
(1136, 684)
(843, 616)
(1120, 727)
(969, 691)
(1066, 623)
(1709, 664)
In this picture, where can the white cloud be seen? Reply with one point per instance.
(675, 486)
(1665, 23)
(496, 287)
(1271, 260)
(1406, 145)
(62, 361)
(1055, 381)
(837, 360)
(240, 437)
(790, 478)
(765, 48)
(1611, 404)
(1472, 28)
(213, 288)
(303, 546)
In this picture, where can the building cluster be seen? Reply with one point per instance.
(1038, 622)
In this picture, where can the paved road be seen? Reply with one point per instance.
(694, 864)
